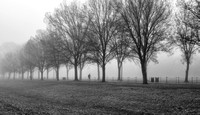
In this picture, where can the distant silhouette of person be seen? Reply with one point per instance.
(89, 76)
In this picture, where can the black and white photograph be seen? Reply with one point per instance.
(99, 57)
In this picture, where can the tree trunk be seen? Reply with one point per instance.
(103, 72)
(144, 71)
(39, 74)
(57, 73)
(67, 69)
(98, 70)
(119, 64)
(42, 78)
(22, 74)
(18, 75)
(119, 70)
(80, 73)
(47, 73)
(27, 74)
(119, 73)
(31, 74)
(104, 67)
(122, 71)
(14, 75)
(187, 72)
(76, 71)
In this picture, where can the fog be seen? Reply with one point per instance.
(20, 19)
(169, 66)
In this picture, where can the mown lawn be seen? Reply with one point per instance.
(61, 98)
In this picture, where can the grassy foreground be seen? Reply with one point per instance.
(61, 98)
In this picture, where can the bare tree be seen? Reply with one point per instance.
(94, 52)
(7, 65)
(38, 51)
(72, 21)
(122, 50)
(53, 54)
(2, 67)
(22, 62)
(193, 7)
(93, 58)
(29, 58)
(83, 61)
(103, 26)
(185, 36)
(146, 21)
(48, 69)
(68, 68)
(10, 63)
(14, 61)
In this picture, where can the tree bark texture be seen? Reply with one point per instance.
(57, 73)
(144, 71)
(103, 72)
(42, 78)
(187, 71)
(76, 71)
(98, 71)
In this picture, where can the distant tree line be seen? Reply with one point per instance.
(102, 30)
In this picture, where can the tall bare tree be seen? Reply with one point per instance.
(193, 6)
(73, 22)
(8, 65)
(103, 26)
(68, 68)
(185, 36)
(3, 70)
(53, 54)
(14, 61)
(22, 62)
(122, 51)
(38, 51)
(83, 62)
(94, 52)
(93, 56)
(29, 57)
(146, 21)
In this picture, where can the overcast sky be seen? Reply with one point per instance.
(19, 19)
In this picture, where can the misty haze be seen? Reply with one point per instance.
(99, 57)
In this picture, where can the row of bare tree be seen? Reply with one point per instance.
(101, 30)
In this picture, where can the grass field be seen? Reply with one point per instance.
(61, 98)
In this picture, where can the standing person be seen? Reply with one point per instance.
(89, 76)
